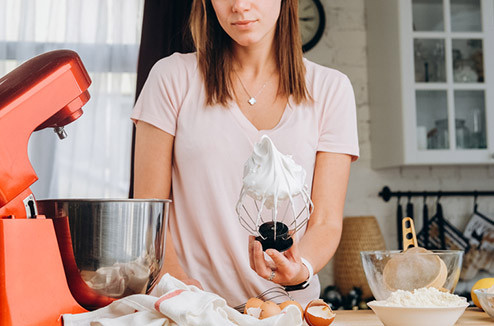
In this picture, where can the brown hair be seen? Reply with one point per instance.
(214, 56)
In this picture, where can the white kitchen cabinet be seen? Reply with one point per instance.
(431, 82)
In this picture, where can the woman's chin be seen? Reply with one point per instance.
(251, 42)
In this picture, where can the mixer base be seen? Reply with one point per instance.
(33, 287)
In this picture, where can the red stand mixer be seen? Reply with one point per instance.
(47, 91)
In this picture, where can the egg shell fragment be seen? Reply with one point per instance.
(252, 303)
(287, 303)
(268, 309)
(318, 313)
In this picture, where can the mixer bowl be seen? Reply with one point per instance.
(373, 263)
(110, 248)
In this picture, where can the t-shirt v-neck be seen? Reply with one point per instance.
(252, 132)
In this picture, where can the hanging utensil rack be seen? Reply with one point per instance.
(386, 193)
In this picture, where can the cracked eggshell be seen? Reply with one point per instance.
(287, 303)
(268, 309)
(318, 313)
(253, 307)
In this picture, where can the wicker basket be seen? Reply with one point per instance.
(360, 233)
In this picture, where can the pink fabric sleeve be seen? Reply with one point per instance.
(338, 128)
(162, 94)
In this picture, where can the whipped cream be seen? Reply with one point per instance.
(272, 177)
(424, 297)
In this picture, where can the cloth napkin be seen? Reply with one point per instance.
(172, 303)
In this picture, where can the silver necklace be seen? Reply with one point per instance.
(252, 99)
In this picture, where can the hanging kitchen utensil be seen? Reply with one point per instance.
(477, 212)
(425, 223)
(440, 220)
(453, 237)
(399, 218)
(478, 225)
(409, 208)
(415, 267)
(479, 232)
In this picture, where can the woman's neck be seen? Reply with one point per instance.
(255, 60)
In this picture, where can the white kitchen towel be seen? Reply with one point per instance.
(172, 303)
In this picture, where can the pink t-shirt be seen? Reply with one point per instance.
(212, 143)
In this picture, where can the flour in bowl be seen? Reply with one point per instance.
(424, 297)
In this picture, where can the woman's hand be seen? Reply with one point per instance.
(284, 268)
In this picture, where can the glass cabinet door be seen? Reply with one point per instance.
(430, 61)
(449, 75)
(470, 119)
(432, 120)
(468, 61)
(465, 16)
(428, 15)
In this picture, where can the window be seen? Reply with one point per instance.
(94, 160)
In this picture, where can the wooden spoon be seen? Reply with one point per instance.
(415, 267)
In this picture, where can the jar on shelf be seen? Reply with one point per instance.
(440, 139)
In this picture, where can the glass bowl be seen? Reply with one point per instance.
(373, 263)
(486, 300)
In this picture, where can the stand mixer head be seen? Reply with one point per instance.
(46, 91)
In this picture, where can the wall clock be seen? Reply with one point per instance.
(312, 22)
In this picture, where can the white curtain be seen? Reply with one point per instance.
(94, 160)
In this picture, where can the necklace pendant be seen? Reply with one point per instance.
(252, 101)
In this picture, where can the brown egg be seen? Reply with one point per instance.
(253, 307)
(287, 303)
(318, 313)
(268, 309)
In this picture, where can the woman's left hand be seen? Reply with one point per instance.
(285, 268)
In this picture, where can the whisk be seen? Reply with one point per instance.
(272, 229)
(270, 294)
(273, 182)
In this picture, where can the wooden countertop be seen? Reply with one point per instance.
(471, 317)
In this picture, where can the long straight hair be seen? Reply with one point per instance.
(215, 59)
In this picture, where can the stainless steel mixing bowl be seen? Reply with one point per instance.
(110, 248)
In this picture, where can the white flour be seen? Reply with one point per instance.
(424, 297)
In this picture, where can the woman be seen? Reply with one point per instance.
(198, 118)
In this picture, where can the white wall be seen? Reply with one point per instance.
(343, 47)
